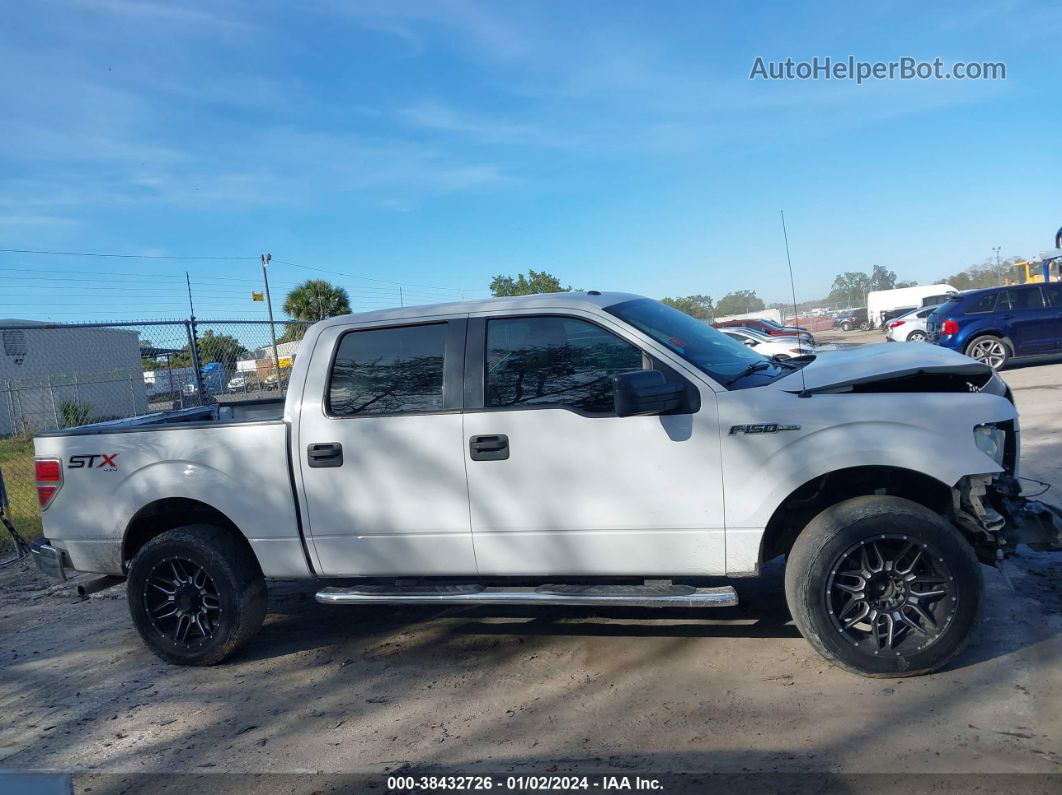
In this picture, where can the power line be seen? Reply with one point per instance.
(369, 278)
(114, 256)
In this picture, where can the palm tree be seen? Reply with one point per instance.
(316, 299)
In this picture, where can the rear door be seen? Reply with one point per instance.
(558, 484)
(379, 445)
(1053, 298)
(1029, 324)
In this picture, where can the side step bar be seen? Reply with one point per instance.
(579, 595)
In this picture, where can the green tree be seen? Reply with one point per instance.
(850, 287)
(882, 278)
(986, 274)
(316, 299)
(698, 306)
(535, 282)
(213, 347)
(739, 302)
(292, 332)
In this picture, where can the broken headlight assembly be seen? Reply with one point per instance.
(992, 441)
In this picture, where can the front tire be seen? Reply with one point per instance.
(196, 595)
(846, 327)
(882, 586)
(989, 350)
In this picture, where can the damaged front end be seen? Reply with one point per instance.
(993, 511)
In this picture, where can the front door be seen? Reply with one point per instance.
(559, 485)
(1030, 325)
(379, 445)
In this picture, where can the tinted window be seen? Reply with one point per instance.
(722, 357)
(386, 371)
(982, 303)
(541, 361)
(1021, 298)
(1053, 294)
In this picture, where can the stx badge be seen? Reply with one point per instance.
(771, 427)
(106, 461)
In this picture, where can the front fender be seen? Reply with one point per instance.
(779, 466)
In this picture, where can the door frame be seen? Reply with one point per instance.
(315, 386)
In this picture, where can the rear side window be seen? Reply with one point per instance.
(1021, 298)
(388, 371)
(982, 304)
(1053, 294)
(554, 361)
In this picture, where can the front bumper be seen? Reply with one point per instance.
(50, 560)
(1032, 522)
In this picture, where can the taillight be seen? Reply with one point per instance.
(48, 474)
(949, 327)
(896, 323)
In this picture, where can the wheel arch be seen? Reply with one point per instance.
(990, 332)
(168, 513)
(819, 493)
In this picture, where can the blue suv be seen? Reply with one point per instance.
(1000, 323)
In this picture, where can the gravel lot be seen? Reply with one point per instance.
(341, 690)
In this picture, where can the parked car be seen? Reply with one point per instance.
(910, 327)
(765, 345)
(241, 382)
(767, 327)
(881, 301)
(856, 319)
(890, 314)
(998, 324)
(570, 448)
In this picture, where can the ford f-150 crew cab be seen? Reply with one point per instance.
(595, 449)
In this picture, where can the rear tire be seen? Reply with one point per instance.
(883, 587)
(989, 350)
(916, 336)
(196, 594)
(846, 327)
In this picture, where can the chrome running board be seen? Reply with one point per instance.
(578, 595)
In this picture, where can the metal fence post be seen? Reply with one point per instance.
(193, 345)
(51, 394)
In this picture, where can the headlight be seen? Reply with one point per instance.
(991, 440)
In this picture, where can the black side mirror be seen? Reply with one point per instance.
(751, 343)
(646, 392)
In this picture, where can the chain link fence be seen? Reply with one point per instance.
(55, 376)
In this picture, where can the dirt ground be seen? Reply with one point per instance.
(374, 690)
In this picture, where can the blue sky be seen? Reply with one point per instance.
(619, 145)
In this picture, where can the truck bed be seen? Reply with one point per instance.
(228, 412)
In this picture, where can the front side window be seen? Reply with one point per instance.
(388, 371)
(554, 361)
(1020, 299)
(1053, 295)
(728, 361)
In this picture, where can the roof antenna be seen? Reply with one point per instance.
(796, 317)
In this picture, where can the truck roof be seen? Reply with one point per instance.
(592, 299)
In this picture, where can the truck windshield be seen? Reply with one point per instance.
(723, 358)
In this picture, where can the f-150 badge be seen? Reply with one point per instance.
(771, 427)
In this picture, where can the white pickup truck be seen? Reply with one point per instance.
(589, 449)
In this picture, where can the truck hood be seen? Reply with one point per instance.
(904, 367)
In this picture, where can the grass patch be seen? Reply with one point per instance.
(16, 461)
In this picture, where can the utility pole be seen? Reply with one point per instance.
(269, 306)
(401, 300)
(999, 273)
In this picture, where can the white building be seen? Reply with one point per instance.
(52, 375)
